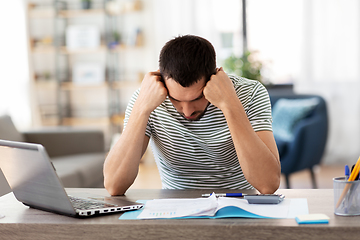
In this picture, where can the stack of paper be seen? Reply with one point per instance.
(213, 207)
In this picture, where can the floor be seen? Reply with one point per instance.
(149, 178)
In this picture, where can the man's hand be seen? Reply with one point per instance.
(220, 90)
(152, 92)
(122, 163)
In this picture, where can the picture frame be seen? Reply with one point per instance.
(88, 73)
(82, 36)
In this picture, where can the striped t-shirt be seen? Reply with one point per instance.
(201, 154)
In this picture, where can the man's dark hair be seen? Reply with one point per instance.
(187, 59)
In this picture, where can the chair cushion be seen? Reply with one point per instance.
(287, 112)
(8, 130)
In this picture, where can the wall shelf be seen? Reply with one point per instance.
(61, 100)
(76, 13)
(70, 86)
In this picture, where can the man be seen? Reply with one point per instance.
(207, 130)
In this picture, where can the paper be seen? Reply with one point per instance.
(213, 207)
(174, 208)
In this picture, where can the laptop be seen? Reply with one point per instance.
(34, 182)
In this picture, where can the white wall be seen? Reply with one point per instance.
(330, 67)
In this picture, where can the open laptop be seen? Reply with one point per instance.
(34, 182)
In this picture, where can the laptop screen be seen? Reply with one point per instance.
(32, 177)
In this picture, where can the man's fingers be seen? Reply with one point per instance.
(157, 73)
(158, 76)
(220, 69)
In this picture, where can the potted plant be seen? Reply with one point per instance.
(245, 66)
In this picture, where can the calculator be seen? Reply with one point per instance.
(264, 198)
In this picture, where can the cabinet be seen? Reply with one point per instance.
(77, 64)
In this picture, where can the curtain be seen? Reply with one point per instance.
(330, 67)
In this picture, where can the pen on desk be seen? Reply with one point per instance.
(357, 176)
(224, 195)
(352, 177)
(353, 188)
(347, 172)
(352, 169)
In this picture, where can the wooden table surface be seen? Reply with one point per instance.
(23, 222)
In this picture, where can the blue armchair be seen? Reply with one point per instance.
(300, 125)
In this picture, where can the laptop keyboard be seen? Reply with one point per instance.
(84, 204)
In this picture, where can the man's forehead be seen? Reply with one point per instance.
(187, 100)
(184, 94)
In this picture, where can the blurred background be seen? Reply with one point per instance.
(77, 63)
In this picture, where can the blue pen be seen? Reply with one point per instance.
(224, 195)
(347, 172)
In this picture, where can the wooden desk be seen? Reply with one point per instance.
(21, 221)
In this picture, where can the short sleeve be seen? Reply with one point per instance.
(256, 102)
(129, 110)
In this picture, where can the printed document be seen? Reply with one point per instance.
(220, 208)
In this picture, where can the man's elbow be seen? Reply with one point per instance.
(114, 192)
(270, 187)
(113, 189)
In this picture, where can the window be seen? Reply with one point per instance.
(14, 73)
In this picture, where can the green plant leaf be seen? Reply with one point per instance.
(244, 66)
